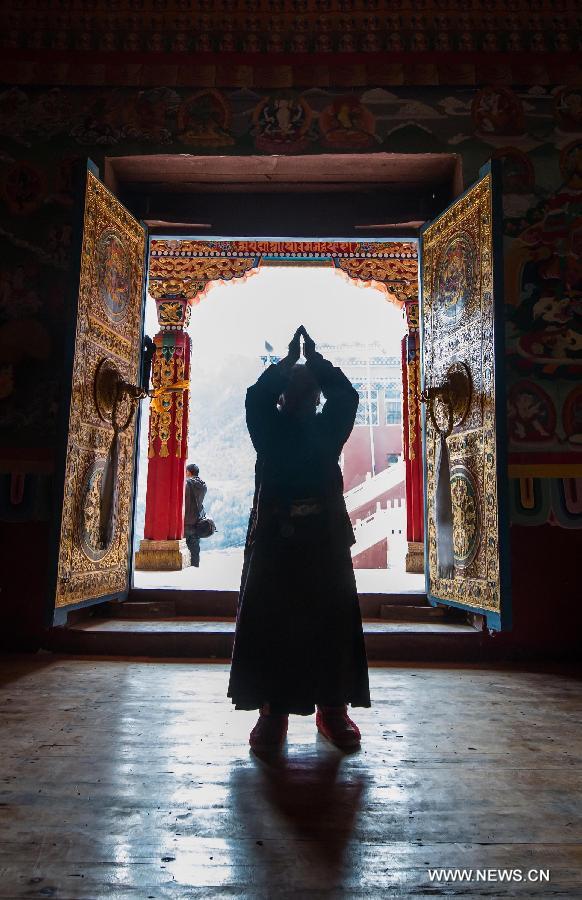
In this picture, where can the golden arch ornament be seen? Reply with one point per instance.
(185, 268)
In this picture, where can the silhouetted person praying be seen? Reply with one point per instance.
(299, 641)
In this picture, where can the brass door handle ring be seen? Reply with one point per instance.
(455, 393)
(110, 390)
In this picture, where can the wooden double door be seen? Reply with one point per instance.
(461, 310)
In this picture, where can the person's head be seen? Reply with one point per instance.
(192, 470)
(301, 395)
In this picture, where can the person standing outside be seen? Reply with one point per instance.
(299, 642)
(195, 492)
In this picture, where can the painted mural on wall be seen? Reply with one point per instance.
(536, 131)
(544, 312)
(186, 27)
(537, 501)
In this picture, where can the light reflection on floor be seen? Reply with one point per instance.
(220, 570)
(133, 780)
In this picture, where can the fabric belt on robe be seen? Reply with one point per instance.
(301, 507)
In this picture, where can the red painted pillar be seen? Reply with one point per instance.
(412, 442)
(163, 546)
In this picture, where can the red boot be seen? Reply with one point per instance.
(334, 724)
(269, 733)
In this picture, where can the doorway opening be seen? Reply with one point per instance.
(339, 198)
(237, 329)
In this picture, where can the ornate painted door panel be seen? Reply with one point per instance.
(97, 511)
(464, 422)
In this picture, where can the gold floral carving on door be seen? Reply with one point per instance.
(107, 342)
(458, 316)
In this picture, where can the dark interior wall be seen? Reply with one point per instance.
(48, 127)
(311, 214)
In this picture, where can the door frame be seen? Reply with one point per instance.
(324, 252)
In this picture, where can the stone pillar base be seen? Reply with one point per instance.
(415, 558)
(162, 556)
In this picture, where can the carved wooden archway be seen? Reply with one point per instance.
(180, 273)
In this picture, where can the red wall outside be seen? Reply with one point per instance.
(357, 455)
(386, 499)
(375, 557)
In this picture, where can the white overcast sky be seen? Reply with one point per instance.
(239, 316)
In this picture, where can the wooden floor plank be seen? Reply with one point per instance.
(125, 779)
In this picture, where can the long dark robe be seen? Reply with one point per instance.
(299, 639)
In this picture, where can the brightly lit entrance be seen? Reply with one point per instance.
(237, 327)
